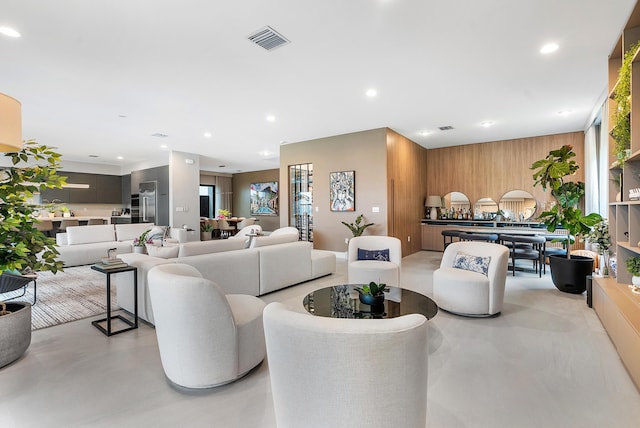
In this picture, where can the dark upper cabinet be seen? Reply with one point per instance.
(55, 196)
(103, 189)
(109, 189)
(82, 196)
(126, 190)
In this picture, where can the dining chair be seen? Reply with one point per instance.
(525, 247)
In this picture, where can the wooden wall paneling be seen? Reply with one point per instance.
(494, 168)
(406, 190)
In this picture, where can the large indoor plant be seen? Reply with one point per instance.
(24, 248)
(568, 272)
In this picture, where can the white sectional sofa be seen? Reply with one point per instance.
(83, 245)
(253, 271)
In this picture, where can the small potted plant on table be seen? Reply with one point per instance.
(205, 231)
(372, 294)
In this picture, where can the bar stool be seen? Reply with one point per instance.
(478, 236)
(449, 234)
(45, 226)
(525, 248)
(66, 223)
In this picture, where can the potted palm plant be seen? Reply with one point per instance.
(633, 267)
(357, 228)
(205, 231)
(568, 272)
(23, 248)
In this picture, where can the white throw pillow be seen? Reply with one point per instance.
(166, 252)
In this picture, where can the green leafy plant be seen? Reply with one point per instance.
(550, 173)
(22, 246)
(206, 227)
(357, 228)
(633, 265)
(373, 289)
(142, 240)
(621, 130)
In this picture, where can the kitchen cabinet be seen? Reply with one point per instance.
(109, 189)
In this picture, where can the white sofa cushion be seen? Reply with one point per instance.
(213, 246)
(284, 265)
(165, 252)
(129, 232)
(90, 234)
(236, 272)
(264, 241)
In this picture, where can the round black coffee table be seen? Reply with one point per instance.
(341, 301)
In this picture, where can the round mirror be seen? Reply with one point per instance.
(517, 205)
(485, 209)
(456, 205)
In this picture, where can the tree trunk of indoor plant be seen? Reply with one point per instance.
(15, 332)
(570, 275)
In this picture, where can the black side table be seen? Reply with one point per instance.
(132, 324)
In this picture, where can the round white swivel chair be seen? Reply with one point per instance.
(329, 372)
(206, 338)
(362, 271)
(466, 292)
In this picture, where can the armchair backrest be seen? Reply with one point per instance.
(499, 256)
(340, 363)
(195, 328)
(373, 242)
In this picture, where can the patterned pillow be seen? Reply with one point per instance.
(473, 263)
(380, 255)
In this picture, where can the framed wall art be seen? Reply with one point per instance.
(264, 198)
(342, 186)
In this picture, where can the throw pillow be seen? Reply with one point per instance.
(473, 263)
(380, 255)
(166, 252)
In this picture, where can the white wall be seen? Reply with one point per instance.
(184, 185)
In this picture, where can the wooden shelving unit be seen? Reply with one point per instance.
(616, 305)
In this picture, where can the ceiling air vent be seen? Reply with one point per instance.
(446, 128)
(268, 38)
(159, 135)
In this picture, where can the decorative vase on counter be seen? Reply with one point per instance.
(613, 264)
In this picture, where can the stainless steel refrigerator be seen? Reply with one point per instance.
(148, 198)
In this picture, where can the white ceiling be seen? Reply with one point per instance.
(182, 68)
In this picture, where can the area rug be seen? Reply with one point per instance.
(74, 294)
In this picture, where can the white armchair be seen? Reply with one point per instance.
(329, 372)
(205, 338)
(362, 271)
(468, 292)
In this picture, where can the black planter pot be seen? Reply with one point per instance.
(570, 275)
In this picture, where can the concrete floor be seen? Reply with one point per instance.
(545, 362)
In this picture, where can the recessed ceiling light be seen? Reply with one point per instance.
(119, 158)
(207, 135)
(424, 133)
(271, 118)
(371, 93)
(163, 146)
(549, 47)
(9, 32)
(564, 112)
(487, 123)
